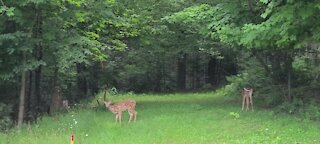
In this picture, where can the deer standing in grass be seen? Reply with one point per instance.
(247, 96)
(118, 108)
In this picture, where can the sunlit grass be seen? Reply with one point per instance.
(167, 119)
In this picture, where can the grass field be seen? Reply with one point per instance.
(199, 118)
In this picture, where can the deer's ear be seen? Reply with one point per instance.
(107, 102)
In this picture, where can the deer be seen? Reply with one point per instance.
(247, 96)
(65, 104)
(119, 107)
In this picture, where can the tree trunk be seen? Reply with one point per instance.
(158, 75)
(196, 71)
(182, 72)
(38, 88)
(289, 73)
(55, 94)
(55, 100)
(81, 80)
(95, 72)
(193, 75)
(165, 85)
(218, 71)
(275, 59)
(37, 83)
(212, 66)
(29, 90)
(22, 92)
(37, 34)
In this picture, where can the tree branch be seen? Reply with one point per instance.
(3, 3)
(262, 62)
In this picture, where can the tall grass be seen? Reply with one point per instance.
(199, 118)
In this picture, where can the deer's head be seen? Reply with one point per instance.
(107, 103)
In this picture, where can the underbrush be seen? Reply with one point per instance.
(5, 119)
(305, 103)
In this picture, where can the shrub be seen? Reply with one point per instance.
(294, 107)
(234, 115)
(5, 119)
(312, 111)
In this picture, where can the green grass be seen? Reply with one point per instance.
(202, 118)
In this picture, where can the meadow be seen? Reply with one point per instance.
(192, 118)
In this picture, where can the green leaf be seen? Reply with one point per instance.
(264, 1)
(9, 12)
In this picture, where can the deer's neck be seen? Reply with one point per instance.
(111, 108)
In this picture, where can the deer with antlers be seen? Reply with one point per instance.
(247, 96)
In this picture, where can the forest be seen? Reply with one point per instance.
(73, 49)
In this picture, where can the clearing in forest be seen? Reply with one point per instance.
(197, 118)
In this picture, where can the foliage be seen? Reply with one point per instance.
(292, 108)
(234, 115)
(161, 46)
(281, 35)
(252, 76)
(6, 10)
(5, 119)
(312, 111)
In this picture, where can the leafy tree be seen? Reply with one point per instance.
(274, 32)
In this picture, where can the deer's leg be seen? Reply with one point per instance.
(247, 101)
(251, 101)
(120, 117)
(135, 115)
(243, 98)
(130, 114)
(117, 117)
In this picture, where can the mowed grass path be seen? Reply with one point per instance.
(170, 119)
